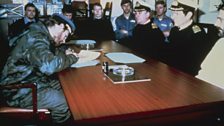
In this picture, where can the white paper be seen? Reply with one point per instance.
(85, 64)
(122, 57)
(81, 42)
(85, 56)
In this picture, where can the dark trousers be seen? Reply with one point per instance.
(51, 99)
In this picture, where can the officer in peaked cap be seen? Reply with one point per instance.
(142, 12)
(189, 44)
(146, 35)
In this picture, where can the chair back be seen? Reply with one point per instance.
(80, 9)
(22, 116)
(108, 10)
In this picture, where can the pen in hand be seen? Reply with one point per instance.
(71, 51)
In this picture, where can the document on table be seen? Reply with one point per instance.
(81, 42)
(122, 57)
(86, 58)
(85, 64)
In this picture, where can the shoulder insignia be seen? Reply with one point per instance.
(154, 26)
(196, 29)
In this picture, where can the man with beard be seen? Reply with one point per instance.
(125, 23)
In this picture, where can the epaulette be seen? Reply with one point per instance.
(154, 26)
(196, 29)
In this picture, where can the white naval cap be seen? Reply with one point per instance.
(150, 5)
(180, 5)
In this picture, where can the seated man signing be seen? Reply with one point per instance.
(35, 58)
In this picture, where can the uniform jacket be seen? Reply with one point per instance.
(165, 24)
(99, 30)
(147, 39)
(34, 58)
(187, 48)
(18, 27)
(126, 24)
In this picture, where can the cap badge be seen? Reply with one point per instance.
(137, 4)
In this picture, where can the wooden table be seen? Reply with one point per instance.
(170, 98)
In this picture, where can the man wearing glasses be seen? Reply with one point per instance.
(188, 42)
(147, 37)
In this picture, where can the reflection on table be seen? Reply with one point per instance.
(171, 97)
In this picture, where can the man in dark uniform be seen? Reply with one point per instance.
(188, 44)
(31, 15)
(98, 28)
(147, 37)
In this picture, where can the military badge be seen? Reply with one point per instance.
(196, 29)
(154, 26)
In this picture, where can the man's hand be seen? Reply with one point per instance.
(124, 31)
(166, 33)
(70, 51)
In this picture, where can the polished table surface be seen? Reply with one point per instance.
(94, 99)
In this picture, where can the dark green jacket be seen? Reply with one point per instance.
(34, 58)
